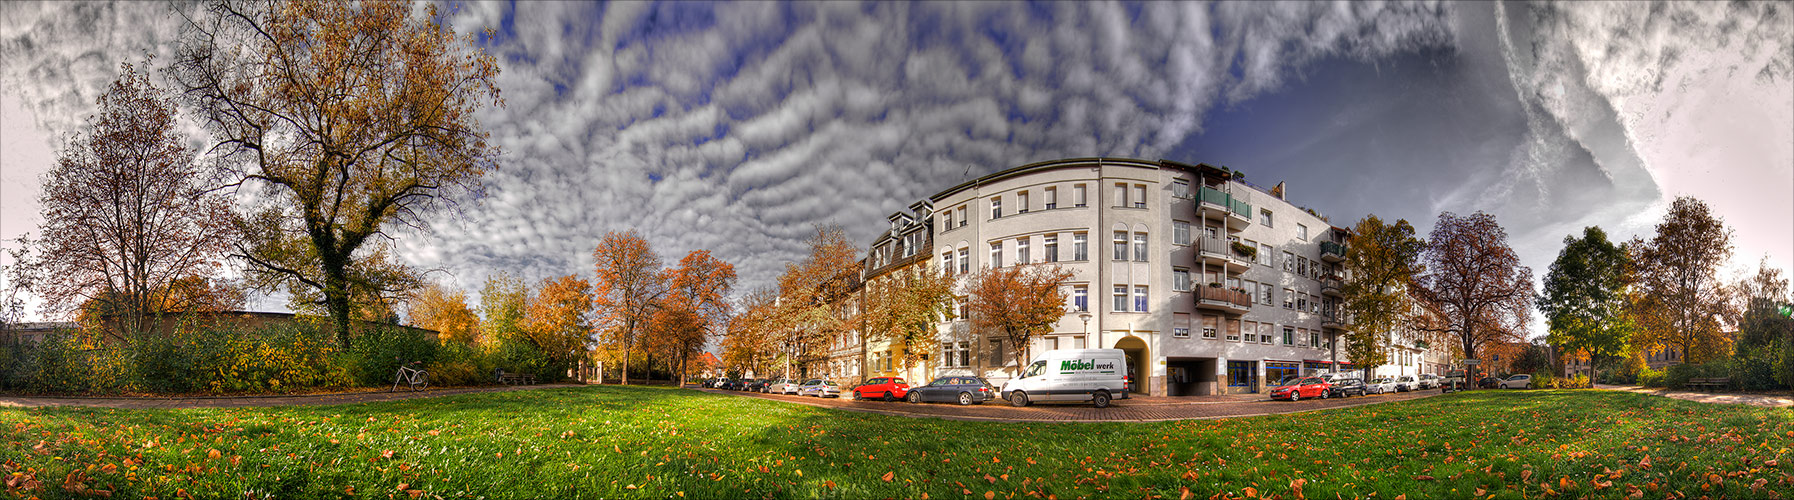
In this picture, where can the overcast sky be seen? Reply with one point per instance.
(739, 127)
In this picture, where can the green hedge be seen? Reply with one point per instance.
(275, 358)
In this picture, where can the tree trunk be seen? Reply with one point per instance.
(336, 299)
(628, 329)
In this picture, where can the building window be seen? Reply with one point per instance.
(1180, 232)
(1264, 294)
(1052, 248)
(996, 352)
(1289, 262)
(1302, 232)
(1021, 202)
(947, 354)
(1052, 198)
(1080, 246)
(1180, 333)
(1241, 374)
(965, 354)
(1264, 331)
(1120, 246)
(1180, 280)
(1140, 299)
(1314, 338)
(1080, 298)
(947, 263)
(1264, 217)
(965, 260)
(1301, 266)
(1180, 188)
(1251, 288)
(1289, 335)
(947, 220)
(1021, 250)
(1264, 255)
(996, 254)
(1077, 195)
(962, 216)
(1120, 195)
(996, 207)
(1247, 329)
(1140, 247)
(1289, 298)
(1210, 325)
(1139, 196)
(1301, 302)
(960, 305)
(1120, 298)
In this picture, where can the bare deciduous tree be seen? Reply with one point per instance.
(1475, 281)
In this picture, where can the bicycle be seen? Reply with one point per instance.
(416, 378)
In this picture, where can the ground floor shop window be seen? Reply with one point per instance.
(1241, 374)
(1279, 371)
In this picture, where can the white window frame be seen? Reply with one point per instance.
(1079, 196)
(1180, 233)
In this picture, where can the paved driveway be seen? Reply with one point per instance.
(1149, 409)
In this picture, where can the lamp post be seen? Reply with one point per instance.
(1086, 317)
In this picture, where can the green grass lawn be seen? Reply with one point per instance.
(668, 443)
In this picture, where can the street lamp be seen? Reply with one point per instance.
(1086, 317)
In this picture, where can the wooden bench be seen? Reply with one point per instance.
(1708, 383)
(515, 378)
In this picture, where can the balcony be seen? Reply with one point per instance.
(1220, 253)
(1335, 320)
(1213, 202)
(1332, 252)
(1222, 299)
(1330, 286)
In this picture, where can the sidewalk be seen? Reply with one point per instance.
(1739, 398)
(251, 401)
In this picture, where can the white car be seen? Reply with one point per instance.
(1429, 381)
(783, 386)
(1094, 375)
(819, 388)
(1383, 385)
(1520, 381)
(1406, 383)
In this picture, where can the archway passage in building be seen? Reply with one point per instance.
(1137, 357)
(1190, 376)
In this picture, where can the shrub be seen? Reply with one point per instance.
(1543, 380)
(1580, 381)
(374, 355)
(1756, 370)
(463, 364)
(1650, 378)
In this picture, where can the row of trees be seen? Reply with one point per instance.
(1613, 302)
(821, 298)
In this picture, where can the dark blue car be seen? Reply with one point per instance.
(962, 390)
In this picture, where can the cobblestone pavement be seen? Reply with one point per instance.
(1764, 400)
(250, 401)
(1141, 409)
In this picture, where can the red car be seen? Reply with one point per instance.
(1306, 387)
(888, 388)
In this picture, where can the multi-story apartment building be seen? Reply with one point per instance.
(1208, 283)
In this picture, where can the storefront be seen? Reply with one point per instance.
(1316, 367)
(1242, 376)
(1277, 371)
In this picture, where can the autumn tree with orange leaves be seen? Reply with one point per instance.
(695, 305)
(559, 321)
(627, 292)
(131, 227)
(1476, 283)
(810, 293)
(1019, 302)
(347, 119)
(446, 312)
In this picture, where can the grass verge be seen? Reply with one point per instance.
(611, 441)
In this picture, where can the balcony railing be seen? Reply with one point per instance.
(1331, 284)
(1225, 201)
(1217, 294)
(1329, 248)
(1215, 246)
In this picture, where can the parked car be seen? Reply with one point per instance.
(727, 383)
(782, 386)
(1306, 387)
(1489, 383)
(756, 385)
(1406, 383)
(1346, 387)
(1094, 375)
(1519, 381)
(1384, 385)
(962, 390)
(1429, 381)
(887, 388)
(820, 388)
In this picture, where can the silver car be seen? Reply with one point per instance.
(819, 388)
(783, 386)
(1383, 385)
(1406, 383)
(1429, 381)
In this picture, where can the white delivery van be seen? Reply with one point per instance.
(1094, 375)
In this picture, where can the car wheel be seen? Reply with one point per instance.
(965, 398)
(856, 395)
(1295, 396)
(889, 397)
(1101, 399)
(1018, 398)
(915, 397)
(1324, 394)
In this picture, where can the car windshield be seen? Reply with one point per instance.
(1033, 369)
(1312, 380)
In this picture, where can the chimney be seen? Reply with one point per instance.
(1278, 191)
